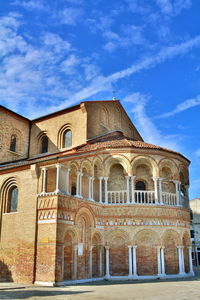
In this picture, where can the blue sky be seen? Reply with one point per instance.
(54, 54)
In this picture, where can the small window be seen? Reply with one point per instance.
(67, 139)
(192, 233)
(140, 186)
(13, 143)
(13, 200)
(191, 215)
(44, 144)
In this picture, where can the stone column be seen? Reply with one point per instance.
(134, 262)
(67, 184)
(80, 191)
(180, 260)
(177, 184)
(44, 180)
(130, 261)
(75, 262)
(163, 261)
(155, 179)
(100, 189)
(159, 260)
(183, 260)
(89, 188)
(106, 190)
(190, 260)
(57, 178)
(107, 276)
(90, 261)
(92, 188)
(160, 189)
(77, 183)
(100, 261)
(127, 189)
(133, 189)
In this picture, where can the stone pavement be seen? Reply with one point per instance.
(179, 289)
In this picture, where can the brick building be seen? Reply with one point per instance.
(195, 230)
(83, 197)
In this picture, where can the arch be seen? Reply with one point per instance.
(116, 178)
(44, 143)
(68, 254)
(145, 160)
(96, 254)
(147, 241)
(74, 167)
(86, 163)
(116, 159)
(104, 116)
(168, 169)
(16, 140)
(88, 214)
(66, 128)
(6, 193)
(170, 240)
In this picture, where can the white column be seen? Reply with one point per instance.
(106, 190)
(180, 260)
(100, 261)
(75, 262)
(159, 261)
(163, 261)
(92, 188)
(77, 183)
(133, 189)
(177, 184)
(107, 263)
(127, 188)
(130, 261)
(57, 178)
(89, 188)
(183, 260)
(80, 191)
(160, 189)
(134, 262)
(90, 261)
(190, 260)
(100, 189)
(155, 179)
(67, 182)
(44, 180)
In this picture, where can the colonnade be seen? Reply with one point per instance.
(63, 186)
(132, 260)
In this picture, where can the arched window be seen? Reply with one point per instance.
(44, 144)
(67, 139)
(13, 199)
(140, 186)
(73, 190)
(13, 143)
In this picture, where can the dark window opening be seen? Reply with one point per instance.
(192, 233)
(140, 186)
(73, 190)
(44, 144)
(13, 143)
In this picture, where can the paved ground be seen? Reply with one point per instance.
(152, 290)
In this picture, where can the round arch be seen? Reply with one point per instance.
(146, 160)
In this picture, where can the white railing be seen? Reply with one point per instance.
(145, 197)
(169, 199)
(117, 197)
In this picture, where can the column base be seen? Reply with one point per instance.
(107, 277)
(191, 273)
(161, 275)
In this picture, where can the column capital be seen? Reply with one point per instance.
(106, 178)
(134, 246)
(127, 177)
(189, 247)
(155, 178)
(78, 173)
(130, 246)
(100, 177)
(44, 168)
(132, 176)
(58, 165)
(159, 247)
(180, 247)
(107, 247)
(91, 247)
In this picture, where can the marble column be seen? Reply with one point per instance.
(44, 180)
(92, 188)
(130, 261)
(177, 187)
(100, 261)
(159, 260)
(127, 189)
(162, 261)
(89, 188)
(107, 276)
(160, 190)
(80, 190)
(106, 190)
(77, 183)
(67, 183)
(57, 178)
(100, 189)
(134, 262)
(190, 260)
(181, 260)
(155, 179)
(133, 189)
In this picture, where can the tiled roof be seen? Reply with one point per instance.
(118, 140)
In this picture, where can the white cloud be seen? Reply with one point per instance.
(189, 103)
(70, 15)
(173, 7)
(198, 153)
(32, 4)
(145, 125)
